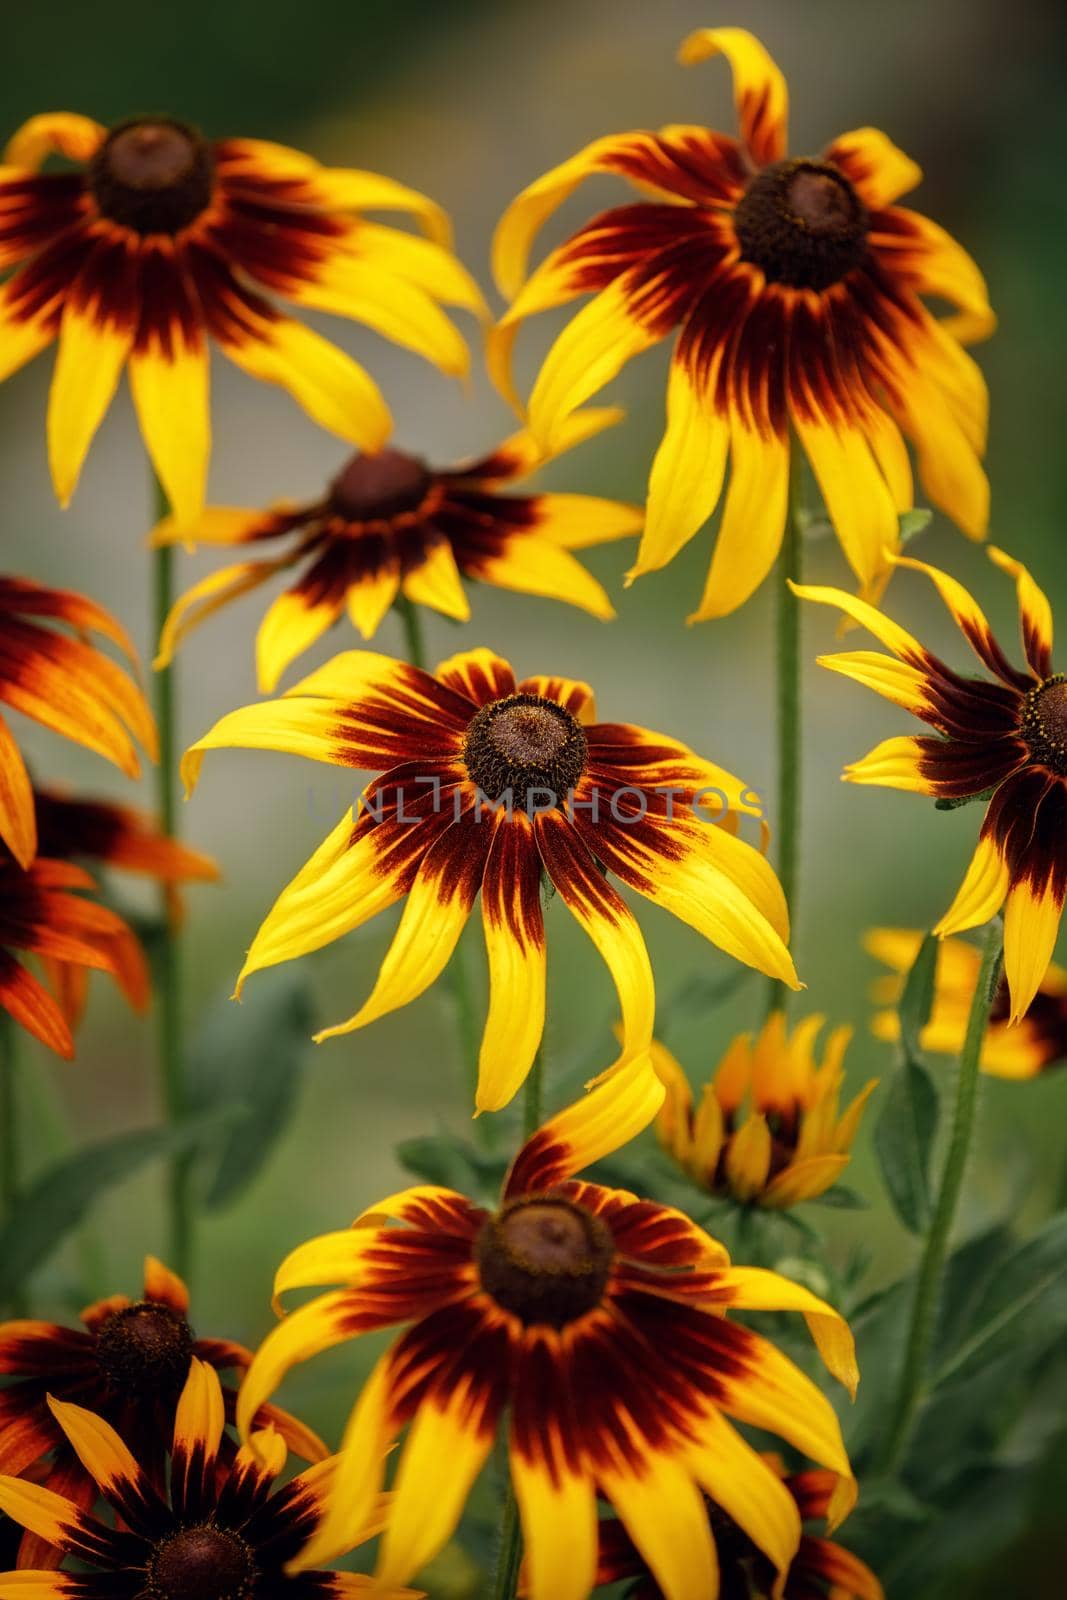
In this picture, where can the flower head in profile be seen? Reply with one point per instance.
(796, 288)
(45, 914)
(128, 1363)
(217, 1531)
(1002, 737)
(157, 240)
(487, 784)
(390, 525)
(598, 1323)
(1036, 1043)
(769, 1129)
(66, 684)
(821, 1567)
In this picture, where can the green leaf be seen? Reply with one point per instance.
(58, 1200)
(1023, 1308)
(913, 522)
(904, 1132)
(447, 1159)
(247, 1060)
(963, 800)
(917, 1000)
(841, 1198)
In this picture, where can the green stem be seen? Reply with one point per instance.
(169, 982)
(787, 819)
(9, 1130)
(509, 1560)
(912, 1390)
(458, 972)
(531, 1103)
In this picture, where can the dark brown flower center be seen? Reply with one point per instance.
(377, 488)
(803, 223)
(546, 1260)
(204, 1563)
(1044, 723)
(145, 1349)
(152, 175)
(524, 744)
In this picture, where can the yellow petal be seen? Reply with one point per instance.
(559, 1525)
(753, 522)
(875, 166)
(436, 582)
(60, 132)
(293, 622)
(529, 564)
(593, 347)
(332, 388)
(892, 764)
(515, 947)
(667, 1519)
(370, 597)
(856, 495)
(981, 894)
(89, 364)
(211, 594)
(760, 91)
(171, 396)
(399, 310)
(1031, 925)
(738, 1480)
(748, 1157)
(687, 474)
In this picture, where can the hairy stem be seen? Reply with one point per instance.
(913, 1378)
(787, 818)
(171, 1046)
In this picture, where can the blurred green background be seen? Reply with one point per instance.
(468, 102)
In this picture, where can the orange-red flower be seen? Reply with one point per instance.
(66, 684)
(599, 1324)
(42, 915)
(159, 241)
(128, 1364)
(796, 287)
(389, 525)
(70, 828)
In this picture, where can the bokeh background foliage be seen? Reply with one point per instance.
(467, 100)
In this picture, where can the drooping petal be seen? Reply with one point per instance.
(169, 380)
(359, 1473)
(18, 822)
(1031, 924)
(856, 495)
(60, 1522)
(982, 892)
(607, 920)
(515, 948)
(32, 1007)
(666, 1517)
(687, 473)
(530, 564)
(297, 619)
(739, 1480)
(399, 310)
(439, 901)
(754, 1289)
(753, 521)
(306, 1332)
(95, 337)
(207, 596)
(759, 88)
(559, 1524)
(435, 582)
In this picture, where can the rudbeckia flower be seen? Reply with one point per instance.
(70, 828)
(598, 1323)
(488, 783)
(795, 285)
(217, 1530)
(67, 685)
(128, 1364)
(769, 1129)
(388, 525)
(1002, 737)
(1036, 1043)
(821, 1567)
(42, 915)
(160, 240)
